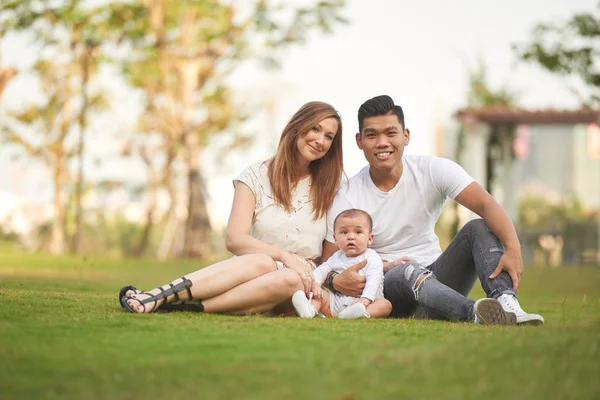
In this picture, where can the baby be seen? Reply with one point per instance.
(353, 234)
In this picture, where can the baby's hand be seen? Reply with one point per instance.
(363, 300)
(317, 291)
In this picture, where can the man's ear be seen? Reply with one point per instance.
(358, 140)
(406, 137)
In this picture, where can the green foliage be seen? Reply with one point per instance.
(481, 94)
(179, 53)
(11, 237)
(541, 213)
(192, 47)
(568, 49)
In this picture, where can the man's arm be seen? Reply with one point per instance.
(348, 282)
(478, 200)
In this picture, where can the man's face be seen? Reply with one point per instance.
(352, 235)
(382, 140)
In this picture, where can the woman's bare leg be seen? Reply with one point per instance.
(258, 295)
(212, 280)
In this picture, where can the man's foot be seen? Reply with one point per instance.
(511, 304)
(354, 311)
(303, 307)
(490, 312)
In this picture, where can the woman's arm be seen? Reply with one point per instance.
(238, 239)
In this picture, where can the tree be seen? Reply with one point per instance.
(67, 35)
(481, 94)
(42, 132)
(570, 49)
(181, 60)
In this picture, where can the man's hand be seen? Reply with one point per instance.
(388, 265)
(350, 282)
(512, 263)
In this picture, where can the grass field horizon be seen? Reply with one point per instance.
(64, 336)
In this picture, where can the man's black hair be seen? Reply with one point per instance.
(380, 105)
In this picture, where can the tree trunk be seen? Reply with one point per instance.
(170, 230)
(152, 201)
(85, 70)
(57, 244)
(198, 229)
(145, 239)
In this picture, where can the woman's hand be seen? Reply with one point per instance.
(309, 283)
(297, 263)
(317, 292)
(303, 268)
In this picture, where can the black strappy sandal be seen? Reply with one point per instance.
(124, 290)
(195, 306)
(185, 284)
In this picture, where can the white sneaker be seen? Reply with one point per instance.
(303, 307)
(490, 312)
(354, 311)
(511, 304)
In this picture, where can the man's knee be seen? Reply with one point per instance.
(408, 272)
(477, 228)
(413, 274)
(477, 225)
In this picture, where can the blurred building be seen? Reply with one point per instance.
(549, 154)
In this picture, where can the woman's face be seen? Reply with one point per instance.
(316, 142)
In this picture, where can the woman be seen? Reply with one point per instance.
(276, 226)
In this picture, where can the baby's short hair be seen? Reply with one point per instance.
(354, 212)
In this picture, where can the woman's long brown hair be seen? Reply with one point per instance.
(325, 172)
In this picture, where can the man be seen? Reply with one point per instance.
(404, 195)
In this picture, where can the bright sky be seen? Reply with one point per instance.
(418, 52)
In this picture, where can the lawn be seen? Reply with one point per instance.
(64, 336)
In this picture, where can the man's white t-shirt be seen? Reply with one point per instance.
(404, 218)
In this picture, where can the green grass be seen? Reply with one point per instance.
(63, 335)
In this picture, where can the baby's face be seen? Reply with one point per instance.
(352, 235)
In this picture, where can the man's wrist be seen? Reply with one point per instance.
(330, 282)
(513, 249)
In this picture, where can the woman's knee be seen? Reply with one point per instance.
(290, 281)
(262, 262)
